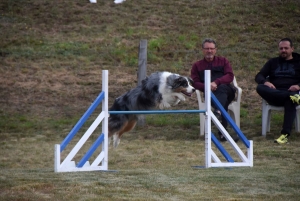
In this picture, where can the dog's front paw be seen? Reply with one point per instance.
(180, 97)
(163, 105)
(176, 102)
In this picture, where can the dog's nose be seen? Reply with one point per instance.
(194, 90)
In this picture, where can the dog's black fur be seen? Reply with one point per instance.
(160, 89)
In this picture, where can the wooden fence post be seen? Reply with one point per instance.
(142, 71)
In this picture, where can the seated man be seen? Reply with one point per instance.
(221, 77)
(279, 84)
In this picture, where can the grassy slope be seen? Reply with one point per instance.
(51, 57)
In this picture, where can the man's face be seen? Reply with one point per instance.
(285, 50)
(209, 50)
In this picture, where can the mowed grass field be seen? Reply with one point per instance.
(51, 59)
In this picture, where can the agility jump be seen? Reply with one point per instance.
(101, 161)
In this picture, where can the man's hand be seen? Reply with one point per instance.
(213, 86)
(294, 88)
(269, 84)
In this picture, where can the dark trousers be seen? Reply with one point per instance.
(280, 97)
(225, 95)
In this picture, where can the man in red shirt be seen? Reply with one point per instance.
(221, 78)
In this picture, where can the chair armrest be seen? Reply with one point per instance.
(239, 94)
(199, 98)
(239, 91)
(201, 102)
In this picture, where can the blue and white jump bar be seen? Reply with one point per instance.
(101, 161)
(157, 112)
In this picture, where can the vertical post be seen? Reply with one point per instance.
(56, 157)
(142, 71)
(207, 119)
(105, 120)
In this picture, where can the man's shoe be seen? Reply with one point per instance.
(282, 139)
(295, 98)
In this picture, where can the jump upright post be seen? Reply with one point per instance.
(101, 161)
(211, 158)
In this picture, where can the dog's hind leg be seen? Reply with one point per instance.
(110, 134)
(114, 126)
(116, 140)
(127, 127)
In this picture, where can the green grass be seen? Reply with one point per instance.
(51, 57)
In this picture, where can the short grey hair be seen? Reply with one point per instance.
(209, 40)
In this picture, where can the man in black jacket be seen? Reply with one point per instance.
(279, 84)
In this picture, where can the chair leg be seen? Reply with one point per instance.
(269, 121)
(237, 119)
(202, 123)
(231, 114)
(265, 119)
(297, 123)
(236, 114)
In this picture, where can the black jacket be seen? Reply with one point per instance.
(280, 72)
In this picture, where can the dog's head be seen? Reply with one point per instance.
(182, 84)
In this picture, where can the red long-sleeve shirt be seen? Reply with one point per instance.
(221, 72)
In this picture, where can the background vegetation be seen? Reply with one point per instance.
(51, 57)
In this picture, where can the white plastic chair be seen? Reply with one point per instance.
(266, 116)
(233, 108)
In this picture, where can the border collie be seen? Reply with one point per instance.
(160, 89)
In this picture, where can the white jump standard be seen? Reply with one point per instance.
(212, 160)
(68, 165)
(101, 161)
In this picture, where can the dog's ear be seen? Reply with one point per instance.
(144, 81)
(178, 82)
(190, 80)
